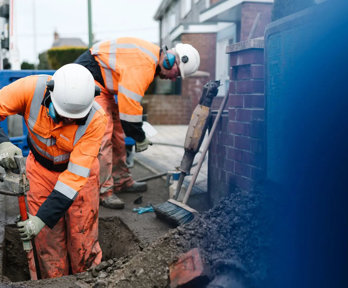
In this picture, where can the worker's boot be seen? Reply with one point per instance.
(112, 202)
(136, 187)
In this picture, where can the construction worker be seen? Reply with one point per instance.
(126, 67)
(65, 129)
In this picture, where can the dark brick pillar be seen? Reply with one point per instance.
(236, 155)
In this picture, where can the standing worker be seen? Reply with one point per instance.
(65, 130)
(126, 67)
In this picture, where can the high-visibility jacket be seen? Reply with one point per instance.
(128, 66)
(70, 149)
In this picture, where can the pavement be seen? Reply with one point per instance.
(166, 154)
(163, 156)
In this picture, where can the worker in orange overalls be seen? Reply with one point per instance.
(126, 67)
(65, 130)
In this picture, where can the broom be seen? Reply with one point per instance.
(177, 213)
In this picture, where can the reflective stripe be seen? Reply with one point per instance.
(82, 129)
(37, 99)
(109, 85)
(65, 190)
(78, 170)
(112, 52)
(131, 118)
(132, 46)
(130, 94)
(56, 159)
(47, 141)
(95, 48)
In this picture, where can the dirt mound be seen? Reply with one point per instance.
(227, 236)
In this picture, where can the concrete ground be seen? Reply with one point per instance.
(167, 152)
(165, 155)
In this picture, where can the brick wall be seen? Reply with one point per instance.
(175, 109)
(249, 14)
(205, 43)
(236, 154)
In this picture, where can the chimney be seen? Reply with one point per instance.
(56, 36)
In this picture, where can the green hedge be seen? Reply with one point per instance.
(59, 56)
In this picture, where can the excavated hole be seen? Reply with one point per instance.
(115, 238)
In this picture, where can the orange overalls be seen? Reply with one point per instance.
(128, 66)
(62, 169)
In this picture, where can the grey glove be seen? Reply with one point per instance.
(142, 146)
(7, 153)
(29, 228)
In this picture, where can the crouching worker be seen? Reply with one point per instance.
(65, 129)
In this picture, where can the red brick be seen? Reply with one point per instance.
(257, 72)
(242, 142)
(188, 270)
(242, 169)
(243, 72)
(248, 56)
(257, 146)
(229, 166)
(258, 114)
(244, 183)
(254, 101)
(257, 129)
(234, 154)
(235, 101)
(232, 113)
(239, 128)
(244, 115)
(250, 86)
(228, 140)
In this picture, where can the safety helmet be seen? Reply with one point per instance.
(73, 91)
(189, 59)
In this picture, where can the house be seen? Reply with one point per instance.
(212, 25)
(71, 42)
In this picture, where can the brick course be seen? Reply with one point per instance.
(236, 156)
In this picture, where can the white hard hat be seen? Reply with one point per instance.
(189, 59)
(73, 91)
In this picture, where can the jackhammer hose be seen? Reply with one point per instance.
(144, 179)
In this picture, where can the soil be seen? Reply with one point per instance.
(227, 236)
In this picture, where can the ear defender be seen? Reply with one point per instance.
(169, 59)
(97, 91)
(52, 113)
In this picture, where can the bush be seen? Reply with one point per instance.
(59, 56)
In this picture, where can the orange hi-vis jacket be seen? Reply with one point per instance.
(128, 66)
(70, 149)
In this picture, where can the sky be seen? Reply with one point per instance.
(37, 20)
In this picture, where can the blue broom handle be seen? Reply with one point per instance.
(205, 149)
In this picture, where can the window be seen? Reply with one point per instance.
(185, 7)
(222, 65)
(164, 87)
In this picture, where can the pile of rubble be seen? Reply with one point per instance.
(228, 239)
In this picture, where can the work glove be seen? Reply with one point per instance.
(29, 228)
(7, 153)
(142, 146)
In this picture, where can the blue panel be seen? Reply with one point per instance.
(307, 139)
(6, 78)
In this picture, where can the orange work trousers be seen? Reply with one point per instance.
(114, 173)
(73, 241)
